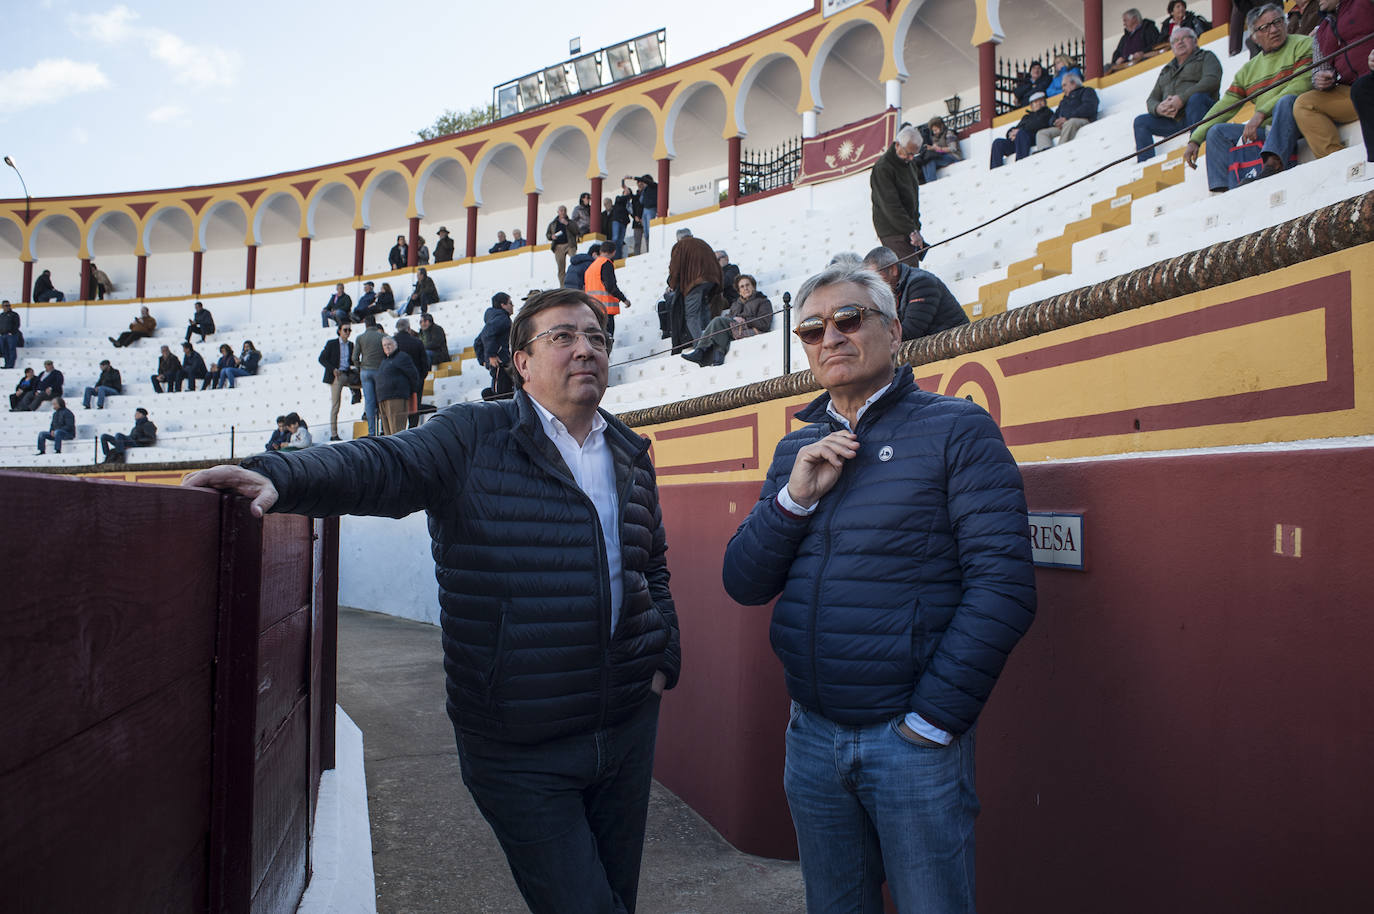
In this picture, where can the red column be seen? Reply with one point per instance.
(531, 217)
(472, 232)
(141, 283)
(250, 279)
(1092, 38)
(663, 176)
(987, 83)
(597, 186)
(413, 242)
(305, 260)
(27, 291)
(87, 290)
(1221, 13)
(197, 261)
(732, 170)
(358, 242)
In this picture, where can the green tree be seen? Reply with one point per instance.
(457, 121)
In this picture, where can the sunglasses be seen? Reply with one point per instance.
(847, 319)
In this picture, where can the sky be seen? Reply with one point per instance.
(103, 97)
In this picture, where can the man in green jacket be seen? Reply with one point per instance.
(1281, 55)
(896, 196)
(1186, 88)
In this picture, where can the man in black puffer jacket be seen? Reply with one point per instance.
(559, 631)
(924, 303)
(892, 530)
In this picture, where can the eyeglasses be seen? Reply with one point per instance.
(1271, 24)
(847, 319)
(562, 338)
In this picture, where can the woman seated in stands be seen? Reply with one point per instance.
(386, 300)
(1063, 64)
(248, 361)
(1036, 80)
(941, 148)
(26, 384)
(215, 377)
(1180, 15)
(750, 315)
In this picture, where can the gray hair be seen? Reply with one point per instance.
(721, 253)
(1182, 30)
(879, 295)
(1071, 77)
(684, 233)
(908, 135)
(402, 324)
(1254, 15)
(849, 257)
(1132, 13)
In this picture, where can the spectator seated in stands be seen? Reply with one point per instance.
(941, 148)
(1186, 88)
(47, 386)
(1021, 138)
(279, 437)
(424, 295)
(202, 323)
(396, 379)
(1180, 17)
(1281, 55)
(924, 303)
(61, 428)
(386, 301)
(27, 383)
(339, 308)
(435, 340)
(729, 272)
(1077, 109)
(1319, 112)
(226, 361)
(516, 241)
(1304, 16)
(750, 315)
(365, 302)
(192, 368)
(109, 384)
(1063, 66)
(10, 335)
(43, 290)
(142, 326)
(1137, 42)
(575, 277)
(1036, 79)
(502, 244)
(143, 434)
(399, 253)
(299, 433)
(168, 371)
(248, 361)
(443, 248)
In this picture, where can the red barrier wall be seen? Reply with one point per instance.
(1184, 728)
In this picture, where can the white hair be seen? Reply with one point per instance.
(879, 295)
(908, 136)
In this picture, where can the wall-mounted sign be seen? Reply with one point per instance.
(831, 7)
(1057, 539)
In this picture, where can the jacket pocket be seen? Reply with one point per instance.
(498, 655)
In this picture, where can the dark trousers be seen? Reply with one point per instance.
(502, 382)
(1362, 97)
(902, 247)
(128, 336)
(1022, 145)
(185, 377)
(115, 445)
(570, 812)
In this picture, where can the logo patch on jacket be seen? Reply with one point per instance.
(886, 453)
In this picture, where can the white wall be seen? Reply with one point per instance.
(386, 566)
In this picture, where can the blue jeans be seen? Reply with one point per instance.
(1149, 126)
(100, 393)
(339, 315)
(869, 804)
(929, 167)
(570, 812)
(1280, 139)
(56, 438)
(228, 376)
(618, 239)
(1022, 145)
(9, 348)
(369, 379)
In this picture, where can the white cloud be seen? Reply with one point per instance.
(198, 65)
(166, 114)
(80, 136)
(46, 82)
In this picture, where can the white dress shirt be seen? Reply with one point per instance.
(913, 720)
(594, 472)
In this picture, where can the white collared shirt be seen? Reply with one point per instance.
(593, 470)
(913, 720)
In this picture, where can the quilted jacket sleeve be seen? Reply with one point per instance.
(987, 510)
(759, 556)
(657, 575)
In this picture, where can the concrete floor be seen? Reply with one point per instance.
(433, 852)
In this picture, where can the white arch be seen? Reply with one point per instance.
(824, 50)
(262, 209)
(608, 130)
(546, 145)
(423, 181)
(685, 96)
(479, 172)
(313, 205)
(215, 207)
(747, 84)
(101, 220)
(370, 191)
(158, 215)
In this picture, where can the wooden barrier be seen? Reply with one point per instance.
(168, 698)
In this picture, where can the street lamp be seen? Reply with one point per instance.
(10, 163)
(953, 104)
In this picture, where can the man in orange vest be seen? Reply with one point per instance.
(599, 283)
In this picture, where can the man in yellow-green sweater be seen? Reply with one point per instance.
(1280, 56)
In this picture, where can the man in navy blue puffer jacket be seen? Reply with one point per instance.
(893, 532)
(559, 631)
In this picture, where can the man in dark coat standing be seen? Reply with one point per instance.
(894, 184)
(892, 530)
(443, 248)
(397, 257)
(493, 343)
(559, 630)
(924, 303)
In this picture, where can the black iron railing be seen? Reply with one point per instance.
(963, 119)
(1010, 72)
(768, 169)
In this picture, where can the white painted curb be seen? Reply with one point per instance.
(341, 847)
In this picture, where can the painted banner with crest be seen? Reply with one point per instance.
(846, 150)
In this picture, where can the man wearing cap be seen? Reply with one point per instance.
(894, 187)
(493, 343)
(1021, 138)
(443, 248)
(109, 384)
